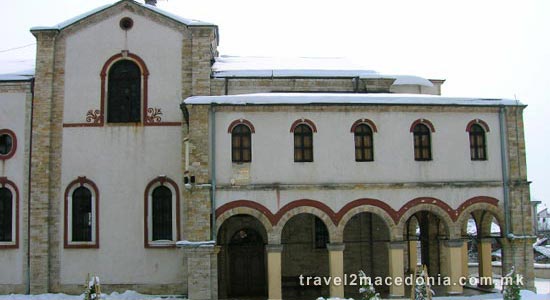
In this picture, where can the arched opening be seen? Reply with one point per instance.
(241, 261)
(124, 92)
(366, 237)
(304, 238)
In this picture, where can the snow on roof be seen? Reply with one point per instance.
(542, 250)
(346, 98)
(16, 69)
(62, 25)
(235, 66)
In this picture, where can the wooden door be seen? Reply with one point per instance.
(246, 264)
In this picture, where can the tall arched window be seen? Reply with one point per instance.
(162, 214)
(124, 92)
(303, 143)
(422, 142)
(6, 215)
(363, 143)
(82, 218)
(477, 143)
(241, 148)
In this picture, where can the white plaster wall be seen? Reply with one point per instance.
(88, 49)
(122, 160)
(13, 117)
(334, 157)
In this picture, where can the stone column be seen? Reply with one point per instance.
(274, 274)
(454, 265)
(485, 266)
(465, 271)
(396, 266)
(336, 264)
(202, 271)
(413, 255)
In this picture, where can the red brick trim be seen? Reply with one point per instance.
(80, 181)
(4, 181)
(366, 122)
(241, 121)
(479, 122)
(250, 204)
(162, 180)
(307, 203)
(303, 121)
(425, 122)
(13, 144)
(372, 202)
(474, 200)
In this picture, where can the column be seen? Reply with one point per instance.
(336, 264)
(202, 271)
(396, 266)
(454, 269)
(485, 265)
(413, 255)
(465, 271)
(274, 271)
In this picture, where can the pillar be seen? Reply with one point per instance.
(454, 250)
(274, 271)
(202, 271)
(413, 255)
(396, 266)
(465, 271)
(336, 264)
(485, 263)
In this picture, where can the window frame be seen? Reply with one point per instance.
(363, 148)
(477, 123)
(14, 243)
(320, 235)
(430, 129)
(13, 149)
(68, 220)
(302, 148)
(241, 136)
(109, 91)
(148, 216)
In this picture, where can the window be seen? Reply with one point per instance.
(6, 215)
(477, 143)
(81, 214)
(321, 234)
(303, 143)
(363, 143)
(241, 144)
(162, 220)
(124, 92)
(8, 144)
(422, 142)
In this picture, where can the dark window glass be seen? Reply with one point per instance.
(303, 143)
(6, 217)
(82, 215)
(321, 234)
(124, 97)
(363, 143)
(162, 214)
(5, 144)
(422, 142)
(477, 143)
(241, 144)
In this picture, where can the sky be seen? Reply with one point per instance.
(494, 49)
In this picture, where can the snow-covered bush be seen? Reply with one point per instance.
(510, 286)
(367, 289)
(92, 289)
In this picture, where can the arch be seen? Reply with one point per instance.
(367, 122)
(81, 181)
(346, 214)
(239, 122)
(243, 207)
(311, 207)
(482, 123)
(303, 121)
(172, 185)
(439, 208)
(6, 183)
(13, 149)
(424, 122)
(480, 203)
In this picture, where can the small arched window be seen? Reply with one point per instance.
(162, 214)
(422, 142)
(82, 216)
(303, 143)
(363, 143)
(241, 146)
(6, 215)
(124, 92)
(81, 222)
(478, 145)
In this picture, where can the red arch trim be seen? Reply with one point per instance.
(241, 121)
(162, 180)
(372, 202)
(4, 181)
(425, 122)
(479, 122)
(80, 181)
(303, 121)
(364, 121)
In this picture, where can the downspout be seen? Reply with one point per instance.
(213, 171)
(504, 167)
(28, 283)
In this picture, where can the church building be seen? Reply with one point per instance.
(134, 151)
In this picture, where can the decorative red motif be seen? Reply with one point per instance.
(94, 116)
(153, 115)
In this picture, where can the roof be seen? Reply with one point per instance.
(236, 66)
(347, 98)
(67, 23)
(20, 69)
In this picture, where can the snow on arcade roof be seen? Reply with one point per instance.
(16, 69)
(235, 66)
(346, 98)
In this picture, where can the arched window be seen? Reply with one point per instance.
(124, 92)
(6, 215)
(162, 214)
(477, 143)
(241, 144)
(303, 143)
(422, 142)
(81, 215)
(363, 143)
